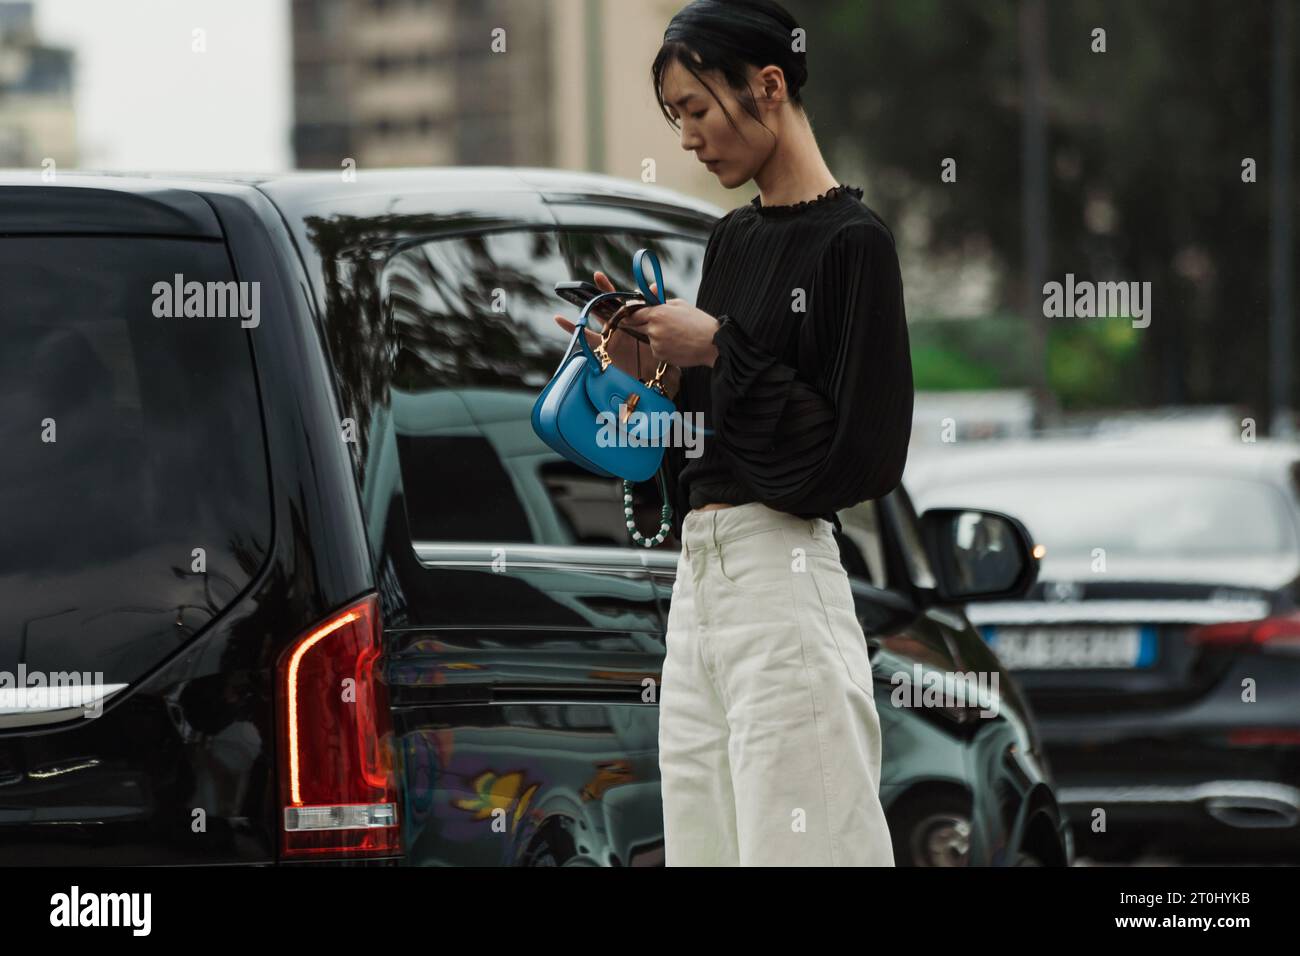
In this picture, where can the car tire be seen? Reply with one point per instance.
(556, 845)
(931, 830)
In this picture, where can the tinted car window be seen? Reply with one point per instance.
(130, 440)
(476, 341)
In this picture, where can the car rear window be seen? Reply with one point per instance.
(133, 478)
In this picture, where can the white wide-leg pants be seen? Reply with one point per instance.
(769, 739)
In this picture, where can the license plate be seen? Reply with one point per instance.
(1056, 648)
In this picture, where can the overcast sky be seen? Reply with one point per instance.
(145, 100)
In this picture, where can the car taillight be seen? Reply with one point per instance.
(1281, 631)
(336, 785)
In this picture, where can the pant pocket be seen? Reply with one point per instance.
(831, 579)
(757, 564)
(853, 650)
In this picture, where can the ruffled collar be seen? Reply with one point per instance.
(824, 199)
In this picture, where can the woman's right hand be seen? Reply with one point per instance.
(622, 347)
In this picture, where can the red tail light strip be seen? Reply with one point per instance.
(336, 780)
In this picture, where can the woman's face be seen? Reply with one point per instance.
(705, 130)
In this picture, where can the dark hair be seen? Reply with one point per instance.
(728, 35)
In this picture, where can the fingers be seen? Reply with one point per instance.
(640, 316)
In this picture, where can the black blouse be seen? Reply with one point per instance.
(810, 399)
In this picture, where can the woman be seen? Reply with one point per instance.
(797, 354)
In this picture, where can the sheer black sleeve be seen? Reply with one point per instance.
(835, 430)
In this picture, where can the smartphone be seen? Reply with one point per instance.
(580, 293)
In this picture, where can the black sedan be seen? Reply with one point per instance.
(1160, 648)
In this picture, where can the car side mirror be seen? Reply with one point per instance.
(978, 555)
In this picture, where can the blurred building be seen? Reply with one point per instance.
(606, 115)
(37, 118)
(417, 82)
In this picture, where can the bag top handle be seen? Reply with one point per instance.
(582, 319)
(638, 271)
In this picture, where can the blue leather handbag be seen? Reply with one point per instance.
(600, 417)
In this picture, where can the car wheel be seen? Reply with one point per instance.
(932, 831)
(556, 845)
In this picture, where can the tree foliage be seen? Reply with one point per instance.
(1145, 150)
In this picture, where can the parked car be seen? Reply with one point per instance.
(1159, 648)
(271, 482)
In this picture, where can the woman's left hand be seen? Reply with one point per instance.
(679, 333)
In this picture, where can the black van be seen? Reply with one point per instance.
(285, 576)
